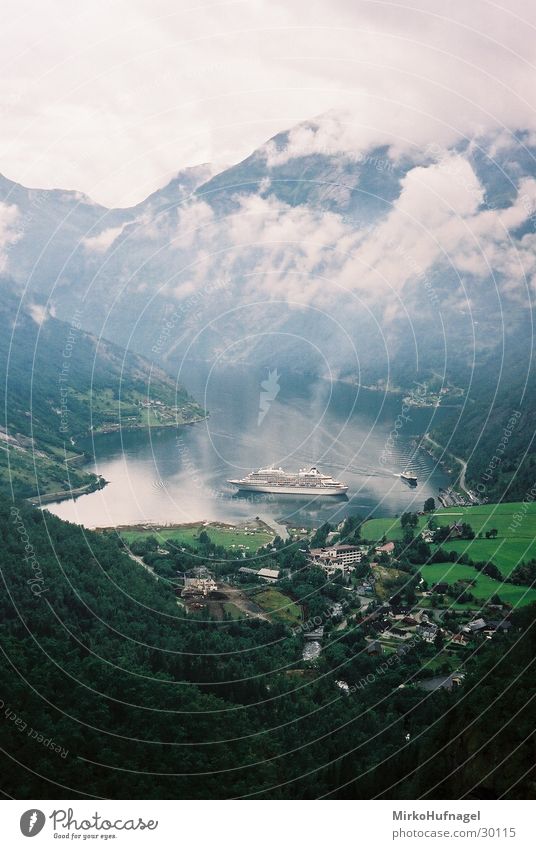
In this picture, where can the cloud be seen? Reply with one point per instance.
(113, 98)
(303, 255)
(9, 233)
(104, 240)
(38, 312)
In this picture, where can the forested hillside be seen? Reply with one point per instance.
(57, 385)
(109, 690)
(494, 429)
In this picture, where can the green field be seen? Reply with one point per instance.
(232, 610)
(505, 552)
(512, 545)
(376, 529)
(279, 606)
(223, 535)
(484, 588)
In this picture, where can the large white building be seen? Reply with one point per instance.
(337, 558)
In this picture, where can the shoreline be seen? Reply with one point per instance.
(180, 526)
(56, 497)
(460, 479)
(143, 426)
(100, 483)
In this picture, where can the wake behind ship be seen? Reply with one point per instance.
(305, 482)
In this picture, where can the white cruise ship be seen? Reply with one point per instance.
(305, 482)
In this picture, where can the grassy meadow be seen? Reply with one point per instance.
(224, 535)
(515, 542)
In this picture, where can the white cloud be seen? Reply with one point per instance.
(9, 234)
(38, 312)
(113, 98)
(304, 255)
(104, 240)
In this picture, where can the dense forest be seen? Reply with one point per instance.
(109, 690)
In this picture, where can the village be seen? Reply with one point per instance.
(362, 585)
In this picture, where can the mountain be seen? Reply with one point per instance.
(382, 265)
(380, 262)
(59, 384)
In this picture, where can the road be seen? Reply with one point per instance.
(462, 463)
(141, 563)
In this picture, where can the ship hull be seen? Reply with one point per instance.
(290, 490)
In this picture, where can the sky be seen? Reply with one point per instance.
(114, 97)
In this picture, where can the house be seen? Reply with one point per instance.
(459, 640)
(270, 575)
(336, 558)
(375, 647)
(429, 635)
(474, 627)
(409, 621)
(386, 548)
(317, 634)
(245, 570)
(441, 587)
(198, 586)
(400, 633)
(428, 631)
(199, 572)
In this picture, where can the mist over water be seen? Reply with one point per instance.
(257, 418)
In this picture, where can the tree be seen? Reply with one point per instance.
(320, 536)
(409, 521)
(524, 573)
(429, 505)
(492, 571)
(466, 531)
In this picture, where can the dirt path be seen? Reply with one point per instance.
(139, 560)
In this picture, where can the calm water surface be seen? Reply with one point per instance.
(180, 475)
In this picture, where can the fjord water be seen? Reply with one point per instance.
(257, 419)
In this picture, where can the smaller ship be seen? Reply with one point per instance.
(409, 478)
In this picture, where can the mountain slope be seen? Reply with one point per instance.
(376, 264)
(59, 384)
(110, 691)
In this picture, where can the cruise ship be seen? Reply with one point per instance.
(305, 482)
